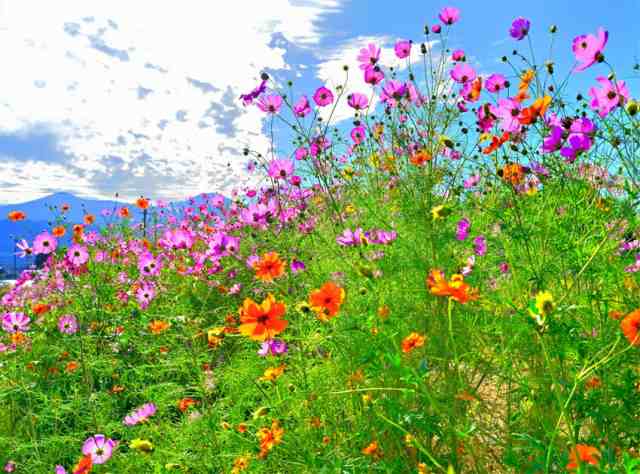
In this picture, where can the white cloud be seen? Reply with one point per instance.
(142, 95)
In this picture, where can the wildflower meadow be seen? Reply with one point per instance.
(446, 282)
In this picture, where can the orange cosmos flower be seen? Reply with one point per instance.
(185, 403)
(496, 142)
(124, 212)
(269, 438)
(15, 216)
(455, 288)
(65, 207)
(412, 341)
(157, 327)
(59, 231)
(142, 203)
(372, 450)
(583, 453)
(327, 300)
(476, 88)
(240, 464)
(512, 173)
(78, 229)
(536, 110)
(262, 321)
(84, 466)
(89, 219)
(269, 267)
(40, 308)
(420, 157)
(273, 373)
(630, 326)
(71, 366)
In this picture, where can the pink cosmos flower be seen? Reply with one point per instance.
(358, 134)
(393, 91)
(436, 29)
(140, 415)
(369, 56)
(350, 238)
(480, 245)
(486, 117)
(145, 295)
(302, 107)
(471, 181)
(24, 249)
(458, 55)
(297, 266)
(254, 94)
(609, 97)
(148, 265)
(463, 73)
(373, 75)
(10, 466)
(508, 111)
(323, 97)
(519, 28)
(78, 255)
(68, 324)
(301, 153)
(15, 322)
(270, 104)
(44, 244)
(99, 447)
(495, 83)
(588, 49)
(463, 227)
(403, 49)
(60, 470)
(280, 169)
(273, 347)
(449, 15)
(357, 101)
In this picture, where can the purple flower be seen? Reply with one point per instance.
(449, 15)
(297, 266)
(480, 246)
(463, 227)
(519, 28)
(77, 255)
(15, 322)
(384, 237)
(99, 447)
(273, 347)
(302, 107)
(463, 73)
(140, 415)
(539, 168)
(403, 49)
(281, 169)
(270, 104)
(588, 49)
(44, 244)
(323, 97)
(553, 141)
(68, 324)
(247, 99)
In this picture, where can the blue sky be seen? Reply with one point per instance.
(141, 98)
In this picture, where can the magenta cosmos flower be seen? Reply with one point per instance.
(458, 55)
(463, 227)
(369, 56)
(508, 111)
(78, 255)
(519, 28)
(140, 415)
(392, 91)
(436, 28)
(610, 96)
(44, 243)
(273, 347)
(15, 322)
(254, 94)
(373, 75)
(280, 169)
(463, 73)
(588, 49)
(68, 324)
(302, 107)
(358, 101)
(99, 447)
(350, 238)
(323, 96)
(358, 134)
(495, 83)
(480, 245)
(403, 49)
(270, 104)
(449, 15)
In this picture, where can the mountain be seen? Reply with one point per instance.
(48, 207)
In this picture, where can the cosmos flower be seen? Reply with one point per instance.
(368, 56)
(463, 73)
(495, 83)
(412, 341)
(449, 15)
(270, 104)
(262, 321)
(327, 300)
(15, 216)
(15, 322)
(583, 454)
(458, 55)
(480, 245)
(373, 75)
(297, 266)
(78, 255)
(402, 49)
(358, 134)
(471, 181)
(463, 227)
(44, 244)
(455, 288)
(269, 267)
(281, 169)
(140, 415)
(352, 238)
(302, 107)
(609, 96)
(393, 91)
(323, 97)
(269, 438)
(508, 111)
(519, 28)
(67, 324)
(357, 101)
(24, 249)
(248, 98)
(273, 347)
(630, 327)
(588, 49)
(553, 141)
(99, 447)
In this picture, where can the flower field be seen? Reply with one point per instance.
(446, 282)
